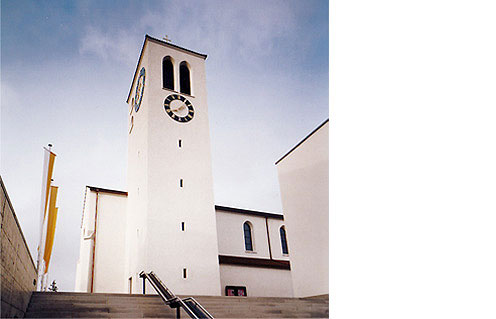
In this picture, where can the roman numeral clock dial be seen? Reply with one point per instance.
(179, 108)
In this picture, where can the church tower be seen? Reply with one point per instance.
(171, 225)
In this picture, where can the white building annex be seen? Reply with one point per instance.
(304, 181)
(167, 222)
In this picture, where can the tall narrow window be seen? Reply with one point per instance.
(184, 78)
(167, 73)
(284, 242)
(248, 237)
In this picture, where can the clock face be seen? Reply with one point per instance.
(179, 108)
(140, 86)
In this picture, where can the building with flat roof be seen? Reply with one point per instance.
(304, 181)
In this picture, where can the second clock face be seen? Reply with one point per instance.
(179, 108)
(140, 86)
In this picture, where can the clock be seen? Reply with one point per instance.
(179, 108)
(140, 86)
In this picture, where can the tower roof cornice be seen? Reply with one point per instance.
(166, 44)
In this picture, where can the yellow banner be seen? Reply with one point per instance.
(51, 161)
(51, 222)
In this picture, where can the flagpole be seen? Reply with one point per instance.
(45, 189)
(45, 225)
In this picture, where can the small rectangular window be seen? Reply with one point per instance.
(185, 273)
(236, 291)
(182, 226)
(181, 182)
(179, 143)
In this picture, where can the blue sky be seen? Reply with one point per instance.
(66, 68)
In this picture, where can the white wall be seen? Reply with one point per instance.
(259, 282)
(110, 244)
(137, 183)
(304, 182)
(231, 236)
(158, 244)
(83, 270)
(275, 239)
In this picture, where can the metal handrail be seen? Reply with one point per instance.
(160, 285)
(173, 301)
(198, 305)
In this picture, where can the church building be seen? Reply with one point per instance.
(167, 221)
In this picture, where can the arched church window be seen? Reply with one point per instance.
(168, 73)
(248, 236)
(184, 78)
(284, 242)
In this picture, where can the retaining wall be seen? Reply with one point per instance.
(18, 272)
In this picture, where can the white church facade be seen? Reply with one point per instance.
(167, 221)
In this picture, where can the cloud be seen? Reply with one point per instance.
(239, 29)
(229, 30)
(117, 45)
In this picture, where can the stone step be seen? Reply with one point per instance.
(99, 314)
(68, 314)
(57, 296)
(139, 297)
(112, 310)
(282, 306)
(90, 304)
(99, 305)
(95, 314)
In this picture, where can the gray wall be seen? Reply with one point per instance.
(17, 267)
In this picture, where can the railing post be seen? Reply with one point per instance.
(178, 312)
(144, 285)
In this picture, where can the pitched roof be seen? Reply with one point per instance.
(249, 212)
(106, 190)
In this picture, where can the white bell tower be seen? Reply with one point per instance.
(171, 225)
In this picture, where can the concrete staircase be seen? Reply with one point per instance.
(85, 305)
(265, 307)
